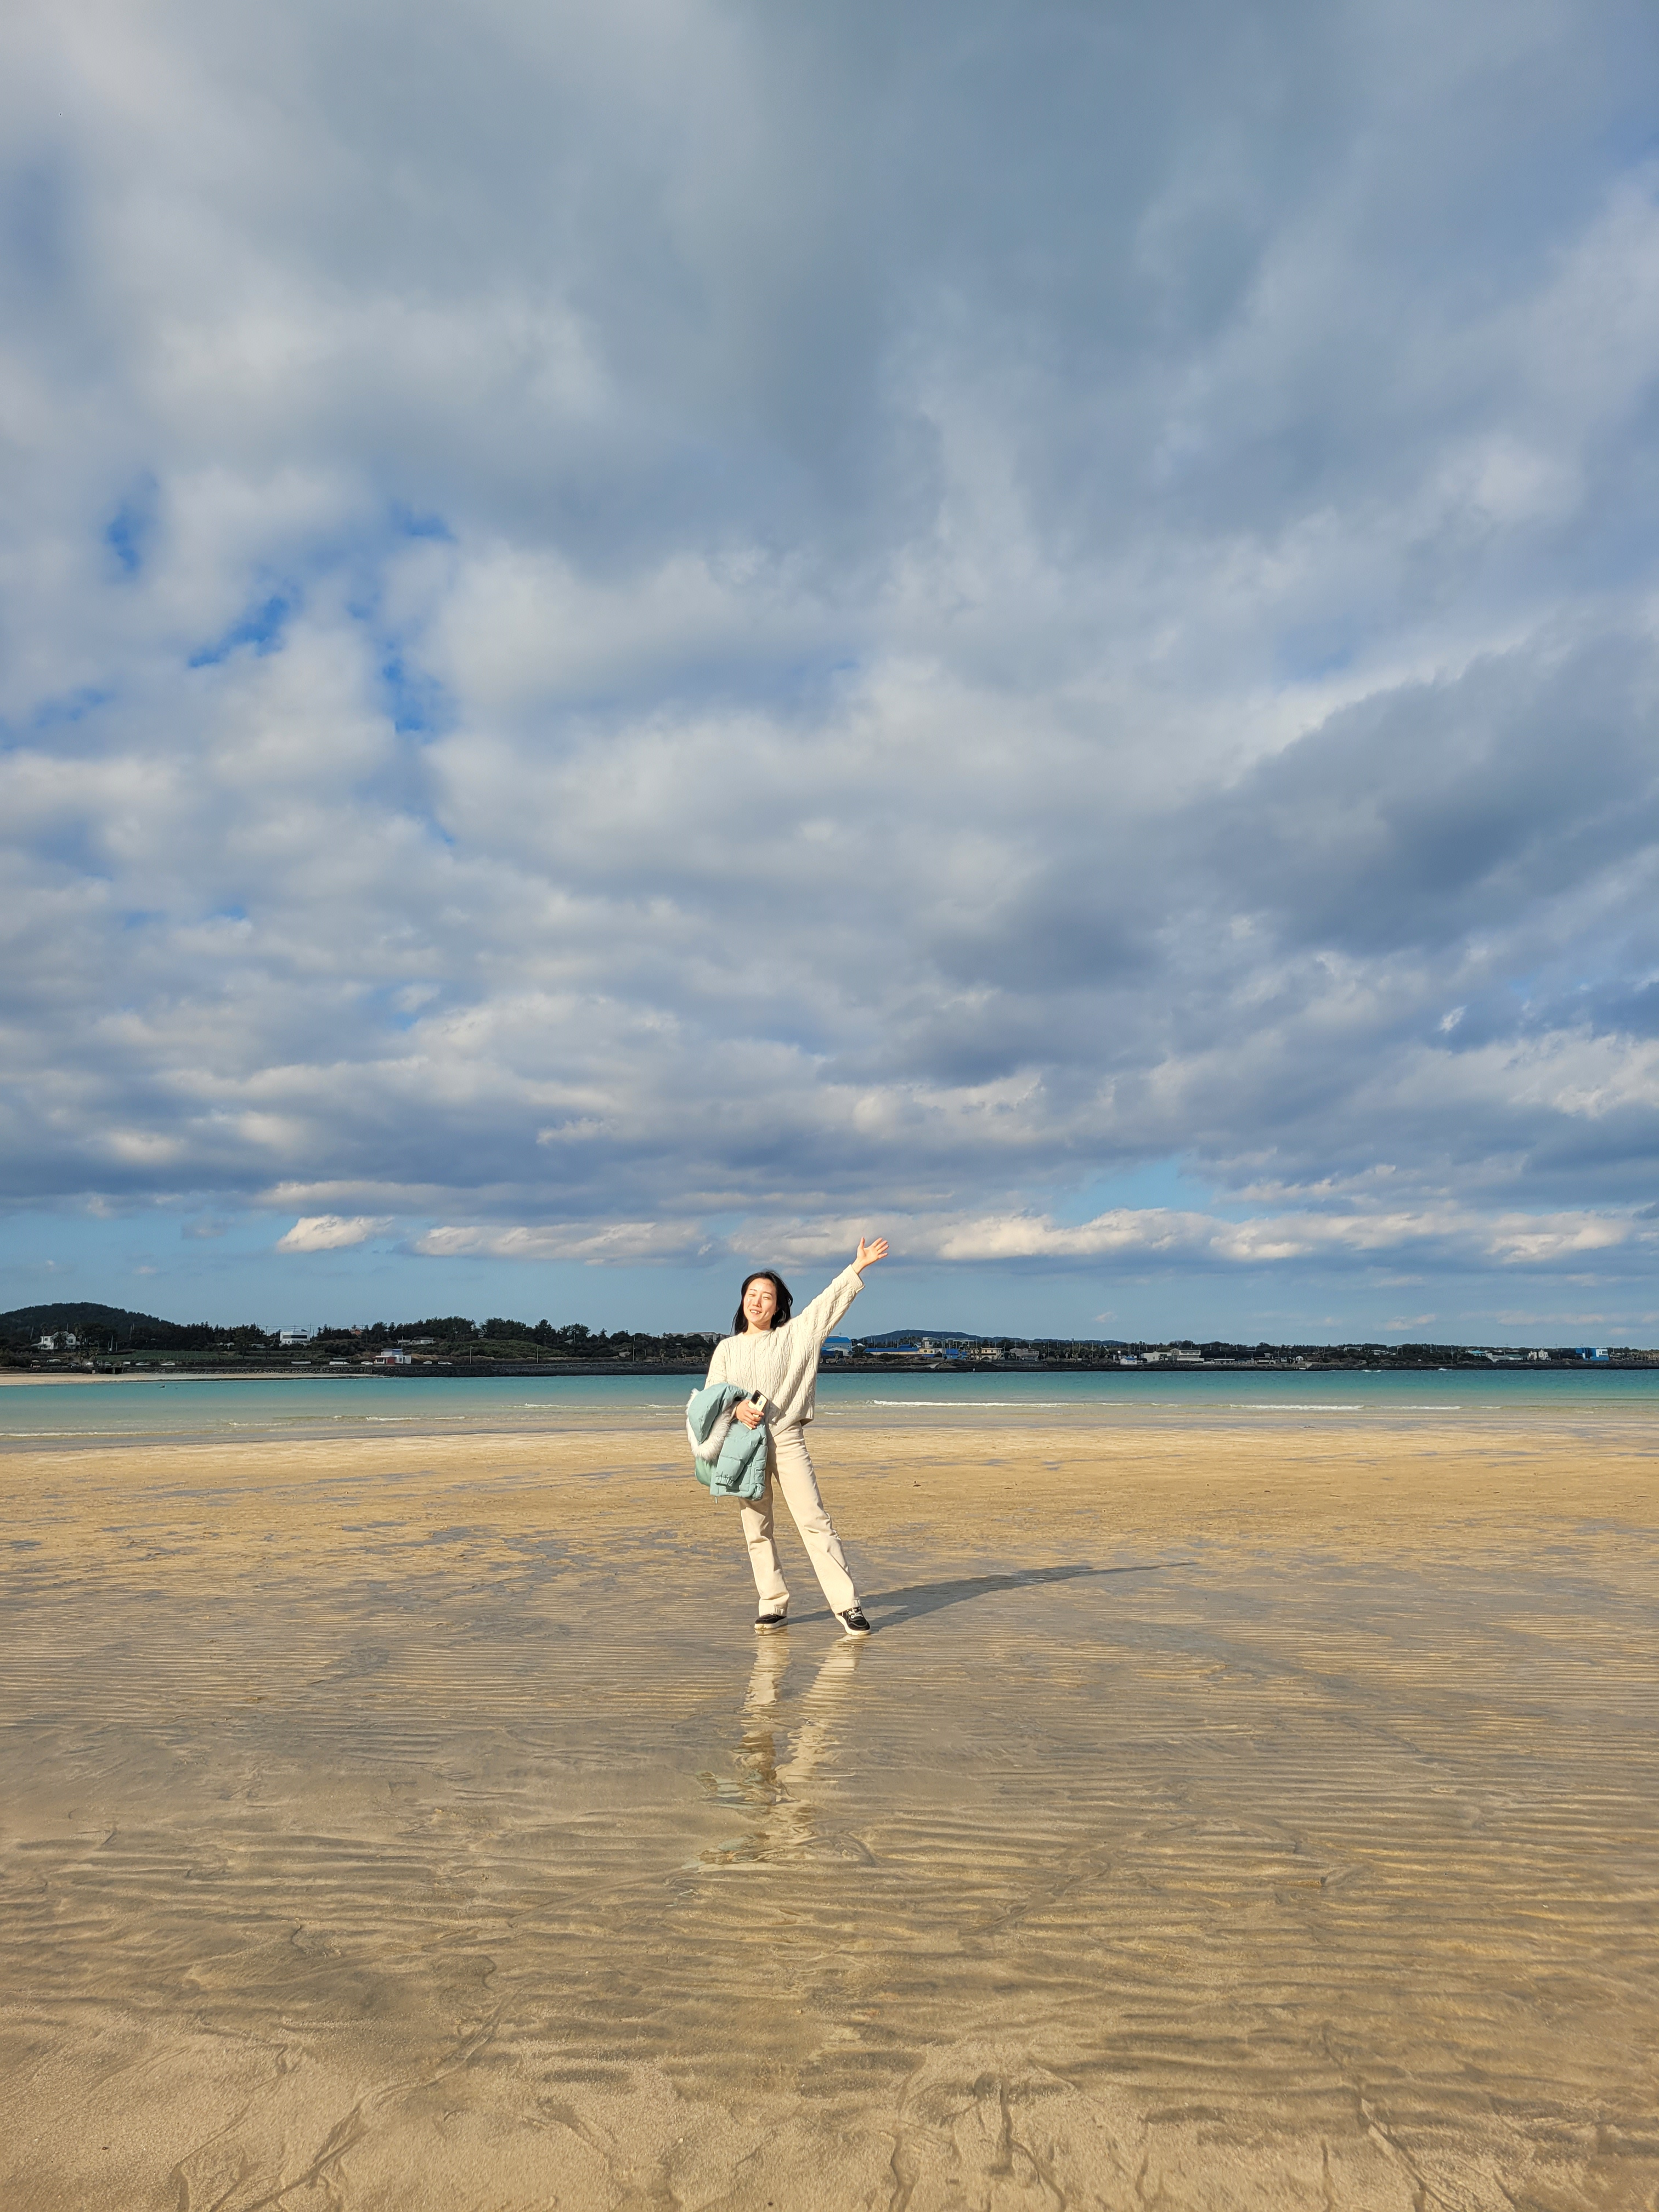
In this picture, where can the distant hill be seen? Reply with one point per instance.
(915, 1335)
(100, 1326)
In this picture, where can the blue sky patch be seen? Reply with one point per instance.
(261, 626)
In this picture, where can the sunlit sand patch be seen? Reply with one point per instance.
(1239, 1819)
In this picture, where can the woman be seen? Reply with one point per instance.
(777, 1357)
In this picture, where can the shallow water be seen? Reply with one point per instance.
(35, 1414)
(1238, 1823)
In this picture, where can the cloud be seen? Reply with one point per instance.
(1457, 1237)
(331, 1232)
(712, 619)
(617, 1243)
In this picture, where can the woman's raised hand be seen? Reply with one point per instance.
(869, 1253)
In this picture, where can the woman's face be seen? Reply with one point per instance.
(760, 1303)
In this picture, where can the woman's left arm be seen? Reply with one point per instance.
(817, 1319)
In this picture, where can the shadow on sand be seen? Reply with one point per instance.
(901, 1605)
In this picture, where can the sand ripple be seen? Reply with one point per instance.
(393, 1835)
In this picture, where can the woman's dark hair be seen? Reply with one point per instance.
(785, 1303)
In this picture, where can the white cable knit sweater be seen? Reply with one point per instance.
(782, 1363)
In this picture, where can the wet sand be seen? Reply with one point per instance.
(1222, 1816)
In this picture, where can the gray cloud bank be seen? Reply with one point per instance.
(626, 629)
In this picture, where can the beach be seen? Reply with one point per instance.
(1233, 1808)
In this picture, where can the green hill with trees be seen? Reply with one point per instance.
(113, 1328)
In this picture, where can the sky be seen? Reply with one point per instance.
(635, 641)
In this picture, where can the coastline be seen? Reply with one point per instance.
(895, 1369)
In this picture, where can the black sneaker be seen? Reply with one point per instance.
(853, 1620)
(766, 1621)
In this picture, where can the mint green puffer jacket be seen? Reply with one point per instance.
(730, 1460)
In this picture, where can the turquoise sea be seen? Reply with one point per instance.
(198, 1409)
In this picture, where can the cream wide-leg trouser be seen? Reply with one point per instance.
(789, 1468)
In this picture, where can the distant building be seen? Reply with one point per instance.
(294, 1335)
(837, 1347)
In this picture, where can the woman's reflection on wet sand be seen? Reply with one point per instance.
(773, 1791)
